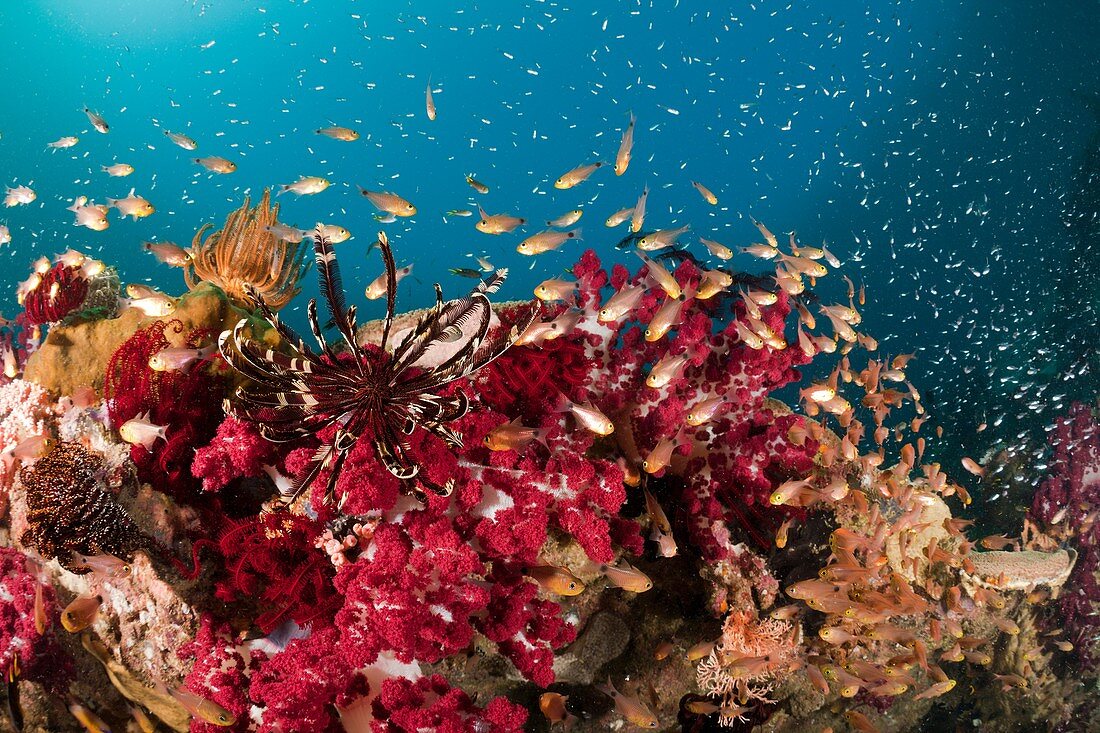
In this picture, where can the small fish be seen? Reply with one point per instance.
(656, 514)
(578, 175)
(663, 650)
(546, 241)
(555, 579)
(145, 725)
(169, 253)
(336, 132)
(89, 214)
(661, 238)
(768, 236)
(118, 170)
(41, 617)
(81, 613)
(429, 103)
(286, 233)
(590, 418)
(788, 492)
(698, 651)
(705, 192)
(377, 288)
(666, 543)
(154, 307)
(182, 140)
(390, 203)
(180, 359)
(333, 233)
(5, 234)
(15, 708)
(19, 195)
(498, 223)
(216, 164)
(512, 436)
(484, 264)
(619, 217)
(200, 707)
(621, 303)
(622, 157)
(659, 457)
(465, 272)
(702, 707)
(940, 688)
(552, 705)
(132, 205)
(567, 219)
(662, 277)
(476, 184)
(628, 578)
(138, 291)
(665, 370)
(781, 533)
(860, 722)
(717, 249)
(972, 466)
(667, 317)
(92, 723)
(630, 708)
(460, 212)
(637, 215)
(305, 186)
(64, 142)
(704, 411)
(105, 566)
(97, 121)
(141, 431)
(552, 290)
(762, 251)
(32, 448)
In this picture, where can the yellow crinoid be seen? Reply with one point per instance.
(245, 252)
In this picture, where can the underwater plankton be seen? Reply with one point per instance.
(384, 394)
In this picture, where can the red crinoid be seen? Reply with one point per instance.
(525, 381)
(61, 291)
(180, 401)
(271, 558)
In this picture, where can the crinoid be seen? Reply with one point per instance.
(245, 253)
(69, 509)
(384, 394)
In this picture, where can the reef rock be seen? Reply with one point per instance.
(77, 354)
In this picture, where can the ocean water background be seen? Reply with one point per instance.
(935, 146)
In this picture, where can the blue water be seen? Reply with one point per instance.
(933, 145)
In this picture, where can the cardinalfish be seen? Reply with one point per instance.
(91, 722)
(377, 288)
(553, 290)
(556, 579)
(626, 146)
(546, 241)
(498, 223)
(118, 170)
(621, 303)
(628, 577)
(567, 219)
(793, 493)
(664, 371)
(705, 192)
(62, 143)
(199, 707)
(619, 217)
(81, 613)
(180, 359)
(140, 430)
(667, 316)
(552, 705)
(169, 253)
(577, 176)
(333, 233)
(630, 708)
(662, 238)
(344, 134)
(305, 186)
(659, 457)
(513, 436)
(429, 102)
(656, 272)
(105, 566)
(590, 417)
(637, 215)
(389, 203)
(476, 184)
(181, 140)
(704, 411)
(216, 164)
(717, 249)
(15, 709)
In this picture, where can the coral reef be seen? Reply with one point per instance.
(548, 563)
(245, 253)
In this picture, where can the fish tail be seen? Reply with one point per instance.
(575, 233)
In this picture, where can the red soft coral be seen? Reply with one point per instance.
(220, 673)
(237, 450)
(431, 704)
(41, 658)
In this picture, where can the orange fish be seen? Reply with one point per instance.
(628, 577)
(81, 613)
(622, 158)
(556, 580)
(632, 709)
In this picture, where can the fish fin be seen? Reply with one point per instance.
(575, 234)
(608, 689)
